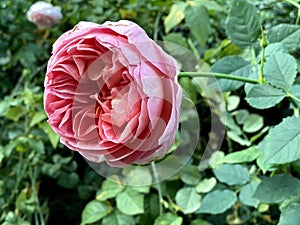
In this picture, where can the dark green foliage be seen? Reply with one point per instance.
(252, 179)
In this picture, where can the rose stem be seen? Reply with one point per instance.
(218, 75)
(155, 174)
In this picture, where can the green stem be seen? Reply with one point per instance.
(218, 75)
(33, 173)
(193, 48)
(156, 24)
(261, 70)
(293, 97)
(20, 174)
(263, 44)
(293, 3)
(257, 136)
(298, 17)
(155, 174)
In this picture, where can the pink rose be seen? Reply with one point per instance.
(111, 93)
(44, 14)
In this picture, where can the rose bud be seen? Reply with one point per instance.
(44, 14)
(112, 94)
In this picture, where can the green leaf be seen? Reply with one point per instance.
(216, 159)
(188, 199)
(85, 191)
(286, 34)
(6, 103)
(295, 90)
(176, 45)
(227, 119)
(10, 219)
(243, 23)
(142, 189)
(109, 189)
(235, 137)
(290, 215)
(2, 156)
(51, 170)
(151, 206)
(247, 155)
(281, 145)
(22, 222)
(233, 102)
(206, 185)
(175, 16)
(197, 19)
(70, 167)
(130, 202)
(117, 218)
(287, 202)
(200, 222)
(171, 164)
(168, 219)
(261, 161)
(240, 115)
(232, 174)
(16, 112)
(137, 176)
(280, 70)
(94, 211)
(190, 174)
(247, 193)
(210, 5)
(271, 49)
(53, 137)
(218, 201)
(22, 144)
(37, 117)
(37, 146)
(233, 65)
(277, 188)
(263, 96)
(61, 160)
(190, 89)
(253, 123)
(26, 56)
(177, 39)
(67, 180)
(25, 204)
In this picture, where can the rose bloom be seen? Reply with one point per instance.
(111, 93)
(44, 14)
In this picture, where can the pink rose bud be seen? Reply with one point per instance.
(44, 14)
(112, 94)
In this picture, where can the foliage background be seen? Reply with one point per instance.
(252, 179)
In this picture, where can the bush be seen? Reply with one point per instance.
(252, 177)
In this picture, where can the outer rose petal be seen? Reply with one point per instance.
(111, 93)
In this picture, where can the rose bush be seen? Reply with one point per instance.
(111, 93)
(44, 14)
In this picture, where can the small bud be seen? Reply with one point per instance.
(44, 14)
